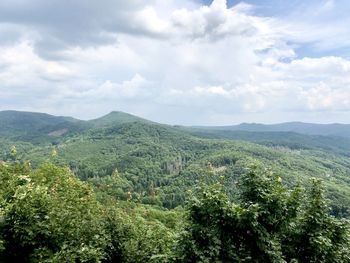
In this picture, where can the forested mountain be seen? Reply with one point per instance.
(158, 163)
(292, 140)
(148, 192)
(37, 127)
(116, 117)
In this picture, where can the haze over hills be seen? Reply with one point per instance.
(334, 129)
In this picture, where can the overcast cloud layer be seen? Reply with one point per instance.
(177, 61)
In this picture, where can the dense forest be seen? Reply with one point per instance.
(124, 189)
(49, 215)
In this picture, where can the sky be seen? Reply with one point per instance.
(190, 62)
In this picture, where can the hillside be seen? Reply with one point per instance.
(115, 117)
(37, 127)
(295, 141)
(159, 163)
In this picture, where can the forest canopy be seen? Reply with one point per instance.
(49, 215)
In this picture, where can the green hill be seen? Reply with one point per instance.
(115, 117)
(158, 163)
(37, 127)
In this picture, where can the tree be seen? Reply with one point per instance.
(13, 153)
(269, 224)
(49, 215)
(317, 236)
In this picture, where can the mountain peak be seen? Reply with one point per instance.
(116, 117)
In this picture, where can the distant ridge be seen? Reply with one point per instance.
(27, 125)
(334, 129)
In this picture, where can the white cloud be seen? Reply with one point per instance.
(323, 97)
(318, 67)
(169, 58)
(137, 87)
(21, 65)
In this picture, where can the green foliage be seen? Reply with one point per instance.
(317, 236)
(269, 224)
(132, 238)
(13, 152)
(111, 186)
(49, 215)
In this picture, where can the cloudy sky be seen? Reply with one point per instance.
(178, 61)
